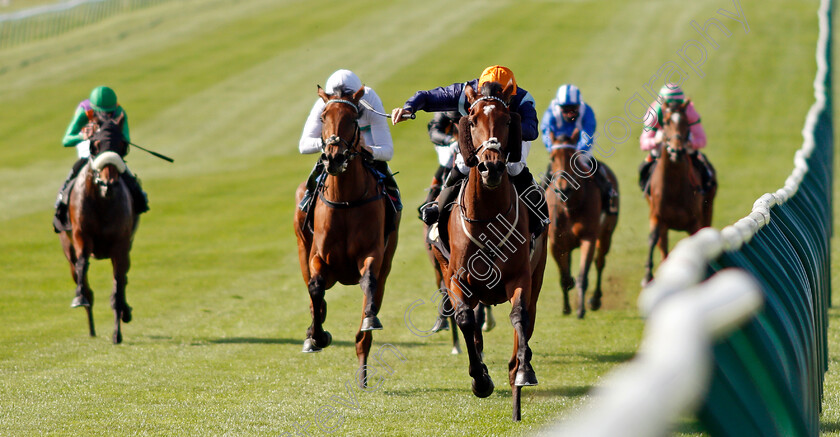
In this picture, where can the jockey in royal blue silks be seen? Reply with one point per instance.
(453, 98)
(569, 116)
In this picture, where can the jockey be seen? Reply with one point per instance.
(443, 132)
(374, 130)
(568, 115)
(651, 137)
(453, 98)
(102, 100)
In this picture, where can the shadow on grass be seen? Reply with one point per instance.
(573, 391)
(259, 340)
(612, 357)
(829, 427)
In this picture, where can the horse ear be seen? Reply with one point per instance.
(465, 142)
(508, 91)
(94, 149)
(515, 138)
(120, 119)
(323, 94)
(470, 93)
(685, 104)
(359, 94)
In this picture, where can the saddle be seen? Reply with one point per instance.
(393, 203)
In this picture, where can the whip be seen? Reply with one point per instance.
(163, 157)
(370, 108)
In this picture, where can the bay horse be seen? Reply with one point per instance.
(491, 260)
(676, 199)
(347, 242)
(103, 221)
(578, 219)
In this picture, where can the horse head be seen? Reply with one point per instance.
(107, 147)
(490, 135)
(340, 135)
(564, 170)
(675, 130)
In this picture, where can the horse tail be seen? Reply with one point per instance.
(515, 138)
(465, 142)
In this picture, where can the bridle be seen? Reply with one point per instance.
(676, 152)
(350, 151)
(491, 143)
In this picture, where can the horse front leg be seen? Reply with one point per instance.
(601, 249)
(122, 312)
(521, 373)
(482, 385)
(84, 295)
(653, 238)
(316, 337)
(564, 263)
(587, 251)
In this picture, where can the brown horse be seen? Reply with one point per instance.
(103, 221)
(578, 220)
(347, 243)
(491, 259)
(676, 200)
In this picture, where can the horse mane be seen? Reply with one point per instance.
(110, 132)
(465, 142)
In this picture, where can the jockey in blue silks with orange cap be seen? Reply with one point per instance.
(569, 116)
(453, 98)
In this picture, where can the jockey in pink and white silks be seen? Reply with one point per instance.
(569, 117)
(651, 137)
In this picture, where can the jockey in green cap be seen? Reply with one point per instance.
(102, 100)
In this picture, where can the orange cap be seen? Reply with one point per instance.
(498, 74)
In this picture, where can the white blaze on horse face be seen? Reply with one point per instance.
(488, 109)
(675, 117)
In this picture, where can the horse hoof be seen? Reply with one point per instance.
(117, 337)
(126, 314)
(327, 338)
(525, 378)
(371, 324)
(456, 350)
(484, 388)
(581, 313)
(309, 346)
(566, 311)
(489, 323)
(646, 281)
(79, 301)
(595, 304)
(441, 325)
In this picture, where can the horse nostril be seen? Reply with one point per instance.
(482, 167)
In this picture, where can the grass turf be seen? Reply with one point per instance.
(220, 309)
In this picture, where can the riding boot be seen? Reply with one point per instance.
(434, 189)
(435, 212)
(704, 167)
(139, 199)
(609, 197)
(391, 187)
(61, 221)
(523, 182)
(311, 183)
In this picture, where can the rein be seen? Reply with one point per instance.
(465, 219)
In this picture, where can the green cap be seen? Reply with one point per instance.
(103, 99)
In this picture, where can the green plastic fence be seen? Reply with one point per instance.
(768, 376)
